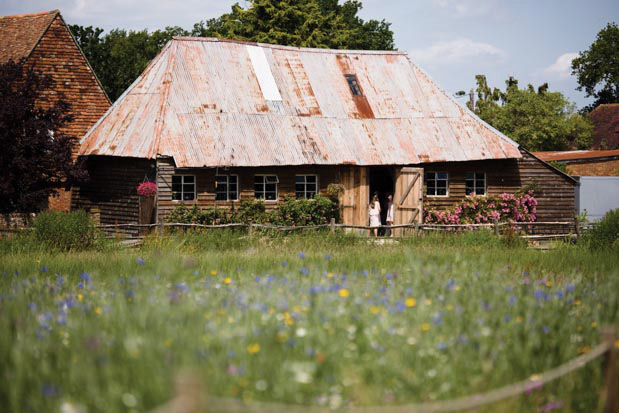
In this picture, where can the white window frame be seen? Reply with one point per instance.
(316, 192)
(475, 179)
(195, 184)
(435, 181)
(264, 182)
(228, 192)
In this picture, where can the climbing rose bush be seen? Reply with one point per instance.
(147, 189)
(476, 209)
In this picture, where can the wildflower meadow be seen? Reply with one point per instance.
(316, 320)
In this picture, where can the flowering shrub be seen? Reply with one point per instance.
(295, 212)
(486, 209)
(147, 189)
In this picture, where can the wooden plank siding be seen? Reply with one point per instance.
(555, 192)
(112, 188)
(205, 184)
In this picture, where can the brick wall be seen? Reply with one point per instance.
(58, 55)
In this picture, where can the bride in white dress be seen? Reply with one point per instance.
(374, 212)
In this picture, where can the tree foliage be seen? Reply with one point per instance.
(597, 68)
(36, 156)
(537, 119)
(120, 56)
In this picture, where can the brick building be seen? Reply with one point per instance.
(47, 45)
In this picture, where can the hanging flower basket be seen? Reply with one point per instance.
(147, 189)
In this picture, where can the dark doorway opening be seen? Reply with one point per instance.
(381, 182)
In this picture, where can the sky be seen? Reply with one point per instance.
(452, 40)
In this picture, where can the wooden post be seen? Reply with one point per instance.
(611, 390)
(250, 229)
(576, 226)
(496, 226)
(160, 228)
(332, 226)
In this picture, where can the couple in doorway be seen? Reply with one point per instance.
(379, 212)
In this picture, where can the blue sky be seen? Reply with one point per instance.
(453, 40)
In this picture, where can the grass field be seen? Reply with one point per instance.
(313, 320)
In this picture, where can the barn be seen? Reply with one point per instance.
(47, 46)
(214, 122)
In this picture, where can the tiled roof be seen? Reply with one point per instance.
(209, 102)
(20, 34)
(606, 121)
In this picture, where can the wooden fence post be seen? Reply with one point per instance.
(611, 390)
(332, 226)
(160, 229)
(576, 226)
(496, 226)
(250, 229)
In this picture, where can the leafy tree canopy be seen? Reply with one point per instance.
(120, 56)
(36, 156)
(597, 68)
(537, 119)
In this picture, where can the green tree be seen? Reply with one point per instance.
(538, 119)
(301, 23)
(597, 68)
(120, 56)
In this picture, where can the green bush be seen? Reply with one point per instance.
(209, 216)
(298, 212)
(64, 231)
(251, 210)
(606, 233)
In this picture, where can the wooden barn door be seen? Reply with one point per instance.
(356, 196)
(408, 197)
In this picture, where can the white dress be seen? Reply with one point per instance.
(375, 215)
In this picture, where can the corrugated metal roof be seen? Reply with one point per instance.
(575, 155)
(200, 102)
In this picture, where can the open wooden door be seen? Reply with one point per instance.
(408, 197)
(356, 197)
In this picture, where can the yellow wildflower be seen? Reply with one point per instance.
(594, 325)
(213, 273)
(548, 283)
(457, 288)
(227, 280)
(375, 309)
(616, 343)
(577, 302)
(344, 293)
(425, 327)
(411, 302)
(99, 310)
(427, 301)
(80, 297)
(253, 348)
(519, 319)
(535, 377)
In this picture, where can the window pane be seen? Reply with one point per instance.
(441, 184)
(441, 191)
(480, 183)
(232, 195)
(310, 178)
(258, 179)
(311, 187)
(300, 195)
(270, 187)
(233, 179)
(220, 196)
(470, 175)
(177, 187)
(188, 179)
(469, 190)
(442, 175)
(480, 191)
(430, 175)
(299, 187)
(188, 188)
(188, 196)
(270, 196)
(176, 196)
(300, 179)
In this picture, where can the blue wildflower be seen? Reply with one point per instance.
(450, 284)
(304, 271)
(141, 261)
(44, 269)
(49, 390)
(441, 346)
(559, 294)
(569, 288)
(507, 319)
(327, 256)
(80, 285)
(546, 329)
(539, 294)
(389, 276)
(60, 281)
(301, 255)
(85, 276)
(512, 300)
(284, 264)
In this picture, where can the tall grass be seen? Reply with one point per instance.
(317, 319)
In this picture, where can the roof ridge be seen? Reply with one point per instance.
(284, 47)
(41, 13)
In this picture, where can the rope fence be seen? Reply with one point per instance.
(189, 398)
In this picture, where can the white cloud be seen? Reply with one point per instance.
(562, 67)
(459, 50)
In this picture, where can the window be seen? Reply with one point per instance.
(476, 183)
(437, 183)
(226, 188)
(183, 187)
(306, 186)
(353, 83)
(265, 187)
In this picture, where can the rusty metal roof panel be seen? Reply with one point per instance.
(208, 102)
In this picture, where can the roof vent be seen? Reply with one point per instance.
(353, 83)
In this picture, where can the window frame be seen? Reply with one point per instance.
(227, 176)
(264, 183)
(475, 179)
(353, 84)
(315, 192)
(435, 181)
(195, 187)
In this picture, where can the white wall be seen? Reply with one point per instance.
(597, 195)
